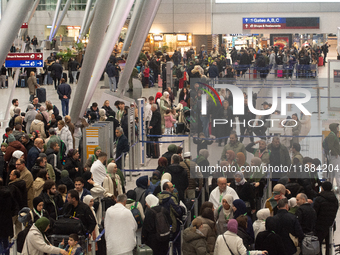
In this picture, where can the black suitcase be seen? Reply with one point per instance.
(41, 94)
(65, 76)
(154, 150)
(180, 128)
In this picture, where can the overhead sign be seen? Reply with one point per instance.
(24, 60)
(281, 23)
(272, 1)
(24, 25)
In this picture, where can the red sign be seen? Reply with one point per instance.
(25, 56)
(272, 26)
(24, 25)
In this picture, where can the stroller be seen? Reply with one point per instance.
(187, 118)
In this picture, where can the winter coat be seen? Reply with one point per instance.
(35, 244)
(19, 192)
(122, 145)
(58, 69)
(7, 210)
(149, 231)
(245, 192)
(164, 105)
(333, 140)
(288, 224)
(235, 244)
(169, 120)
(237, 147)
(65, 135)
(29, 117)
(13, 146)
(52, 208)
(307, 217)
(294, 188)
(256, 152)
(38, 186)
(209, 231)
(32, 156)
(32, 84)
(179, 179)
(271, 242)
(194, 242)
(38, 125)
(326, 206)
(187, 164)
(156, 123)
(28, 178)
(70, 165)
(283, 155)
(246, 238)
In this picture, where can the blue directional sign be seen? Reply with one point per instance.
(264, 20)
(24, 63)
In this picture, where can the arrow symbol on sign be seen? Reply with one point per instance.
(39, 56)
(39, 63)
(246, 20)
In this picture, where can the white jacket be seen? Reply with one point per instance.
(235, 244)
(65, 135)
(215, 195)
(120, 230)
(35, 244)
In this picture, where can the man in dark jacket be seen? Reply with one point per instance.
(64, 92)
(33, 154)
(122, 146)
(40, 164)
(27, 142)
(287, 224)
(172, 149)
(179, 176)
(6, 213)
(78, 209)
(53, 159)
(213, 70)
(53, 202)
(93, 109)
(326, 206)
(333, 154)
(111, 73)
(73, 67)
(57, 71)
(155, 129)
(305, 213)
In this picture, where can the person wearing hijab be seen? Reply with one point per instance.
(65, 179)
(87, 176)
(156, 177)
(269, 240)
(231, 243)
(158, 98)
(240, 161)
(88, 199)
(209, 229)
(142, 184)
(259, 224)
(224, 213)
(166, 177)
(149, 231)
(244, 190)
(165, 105)
(240, 208)
(36, 241)
(131, 202)
(38, 211)
(120, 174)
(113, 179)
(92, 158)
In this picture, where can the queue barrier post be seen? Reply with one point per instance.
(93, 247)
(182, 230)
(171, 248)
(15, 248)
(203, 194)
(188, 219)
(196, 207)
(331, 241)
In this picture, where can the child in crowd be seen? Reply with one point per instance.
(8, 131)
(174, 115)
(201, 142)
(62, 189)
(73, 248)
(169, 120)
(3, 148)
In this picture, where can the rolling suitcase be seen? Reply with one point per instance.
(320, 63)
(143, 249)
(279, 73)
(155, 150)
(22, 83)
(254, 74)
(41, 94)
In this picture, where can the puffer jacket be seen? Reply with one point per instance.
(38, 125)
(209, 231)
(35, 244)
(65, 135)
(194, 242)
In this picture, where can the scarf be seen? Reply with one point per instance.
(228, 214)
(41, 225)
(240, 174)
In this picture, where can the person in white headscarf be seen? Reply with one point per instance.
(114, 186)
(165, 104)
(166, 177)
(260, 224)
(149, 231)
(224, 213)
(88, 199)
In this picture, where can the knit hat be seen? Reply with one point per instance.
(102, 112)
(131, 194)
(172, 148)
(17, 154)
(87, 199)
(327, 186)
(280, 188)
(232, 226)
(4, 144)
(36, 201)
(110, 168)
(64, 174)
(11, 138)
(152, 200)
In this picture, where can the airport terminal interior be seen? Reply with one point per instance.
(119, 117)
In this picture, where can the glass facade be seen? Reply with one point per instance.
(50, 5)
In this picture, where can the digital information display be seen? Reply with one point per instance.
(281, 23)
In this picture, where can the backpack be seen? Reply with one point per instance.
(62, 150)
(310, 245)
(136, 214)
(179, 73)
(162, 226)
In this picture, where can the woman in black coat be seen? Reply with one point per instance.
(184, 95)
(242, 221)
(72, 164)
(108, 109)
(244, 190)
(224, 130)
(124, 122)
(269, 240)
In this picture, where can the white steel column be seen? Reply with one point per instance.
(55, 19)
(86, 15)
(121, 12)
(10, 24)
(62, 16)
(99, 26)
(148, 14)
(33, 10)
(132, 26)
(88, 23)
